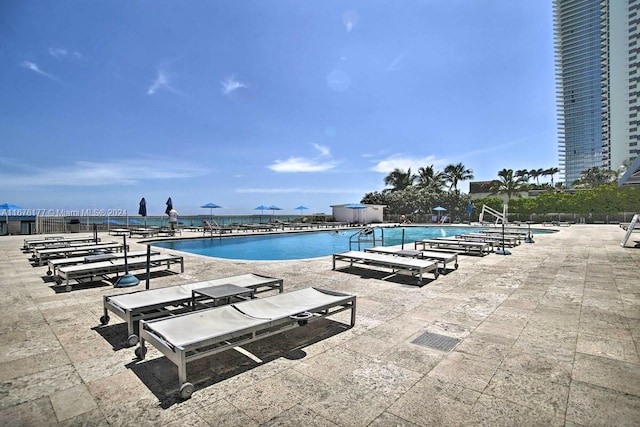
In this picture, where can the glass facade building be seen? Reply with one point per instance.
(596, 80)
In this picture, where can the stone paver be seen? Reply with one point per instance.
(549, 335)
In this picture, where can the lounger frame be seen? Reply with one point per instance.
(56, 263)
(180, 303)
(43, 255)
(104, 269)
(182, 355)
(442, 257)
(416, 267)
(482, 248)
(41, 243)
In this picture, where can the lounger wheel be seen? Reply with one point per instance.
(302, 318)
(186, 390)
(140, 352)
(132, 340)
(49, 273)
(456, 265)
(436, 274)
(68, 288)
(104, 319)
(58, 281)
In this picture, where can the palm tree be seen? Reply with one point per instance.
(551, 172)
(399, 180)
(523, 174)
(536, 173)
(594, 177)
(429, 178)
(507, 184)
(456, 173)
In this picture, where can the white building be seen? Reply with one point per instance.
(357, 213)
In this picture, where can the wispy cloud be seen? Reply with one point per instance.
(60, 53)
(89, 173)
(324, 151)
(393, 66)
(301, 164)
(162, 81)
(231, 84)
(298, 190)
(402, 162)
(34, 67)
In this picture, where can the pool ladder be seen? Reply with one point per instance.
(366, 237)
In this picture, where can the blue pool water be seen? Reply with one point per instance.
(303, 245)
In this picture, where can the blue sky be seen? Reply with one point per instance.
(244, 103)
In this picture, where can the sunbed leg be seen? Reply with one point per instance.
(141, 351)
(353, 313)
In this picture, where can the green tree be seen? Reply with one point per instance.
(507, 184)
(430, 179)
(453, 174)
(594, 177)
(551, 172)
(522, 174)
(536, 174)
(399, 180)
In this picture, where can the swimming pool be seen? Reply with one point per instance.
(290, 246)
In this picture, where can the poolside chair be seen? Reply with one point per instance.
(105, 268)
(192, 336)
(416, 267)
(155, 303)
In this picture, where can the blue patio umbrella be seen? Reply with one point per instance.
(301, 208)
(274, 208)
(355, 207)
(111, 222)
(439, 209)
(134, 222)
(260, 208)
(6, 207)
(211, 206)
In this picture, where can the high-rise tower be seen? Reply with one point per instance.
(597, 77)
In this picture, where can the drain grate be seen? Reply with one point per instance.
(436, 341)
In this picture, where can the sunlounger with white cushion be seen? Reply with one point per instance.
(416, 267)
(57, 241)
(442, 257)
(43, 255)
(192, 336)
(481, 248)
(162, 302)
(56, 263)
(105, 268)
(496, 240)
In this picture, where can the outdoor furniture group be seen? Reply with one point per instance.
(430, 255)
(196, 320)
(87, 258)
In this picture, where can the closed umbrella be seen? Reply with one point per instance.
(6, 207)
(142, 210)
(169, 206)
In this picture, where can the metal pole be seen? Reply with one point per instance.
(148, 265)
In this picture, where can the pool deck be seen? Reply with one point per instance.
(549, 335)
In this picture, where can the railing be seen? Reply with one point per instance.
(366, 235)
